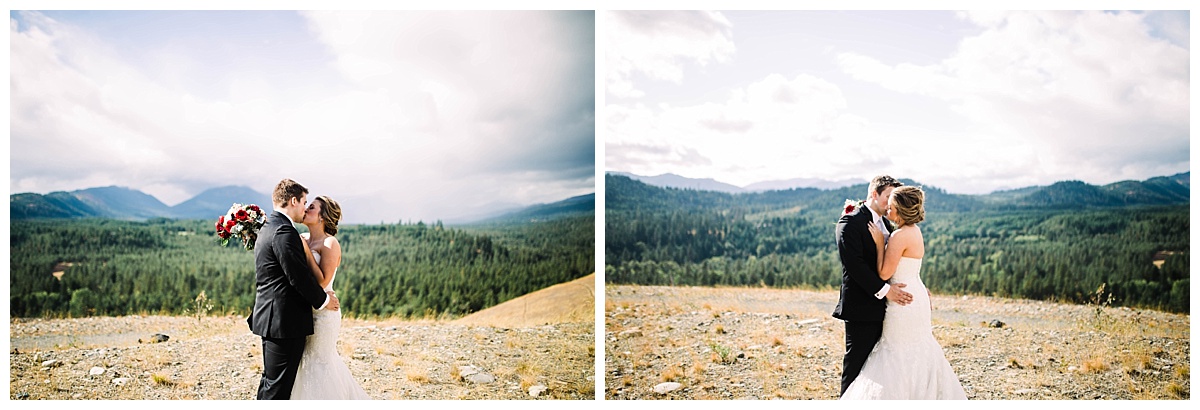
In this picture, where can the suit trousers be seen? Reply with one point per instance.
(281, 360)
(861, 337)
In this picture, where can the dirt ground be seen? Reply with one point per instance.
(739, 343)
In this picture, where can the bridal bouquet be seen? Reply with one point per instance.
(851, 205)
(243, 221)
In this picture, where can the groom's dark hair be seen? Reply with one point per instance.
(882, 182)
(286, 190)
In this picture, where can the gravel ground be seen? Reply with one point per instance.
(114, 358)
(738, 343)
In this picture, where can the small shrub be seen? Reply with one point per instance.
(201, 306)
(722, 354)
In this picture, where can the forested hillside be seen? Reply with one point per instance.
(110, 267)
(1001, 244)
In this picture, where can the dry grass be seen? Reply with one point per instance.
(571, 302)
(1177, 391)
(161, 380)
(417, 376)
(1095, 365)
(672, 373)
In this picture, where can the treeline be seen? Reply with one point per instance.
(658, 236)
(112, 267)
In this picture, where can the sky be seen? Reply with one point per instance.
(970, 102)
(400, 116)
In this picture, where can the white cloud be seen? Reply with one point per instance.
(772, 127)
(1011, 99)
(431, 115)
(660, 44)
(1061, 95)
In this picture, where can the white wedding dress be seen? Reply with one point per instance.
(322, 374)
(907, 362)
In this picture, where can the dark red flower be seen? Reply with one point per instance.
(223, 234)
(256, 208)
(220, 221)
(242, 215)
(229, 224)
(849, 209)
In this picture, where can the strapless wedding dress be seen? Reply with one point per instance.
(322, 374)
(907, 362)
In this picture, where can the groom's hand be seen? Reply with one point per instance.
(333, 302)
(898, 296)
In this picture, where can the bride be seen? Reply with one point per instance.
(907, 362)
(322, 373)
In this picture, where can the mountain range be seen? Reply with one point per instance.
(541, 212)
(124, 203)
(709, 184)
(130, 204)
(624, 191)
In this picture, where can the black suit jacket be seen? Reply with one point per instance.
(286, 291)
(860, 277)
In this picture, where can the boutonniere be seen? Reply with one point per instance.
(851, 205)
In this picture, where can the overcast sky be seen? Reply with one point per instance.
(967, 101)
(399, 115)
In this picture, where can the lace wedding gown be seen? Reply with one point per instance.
(907, 362)
(322, 374)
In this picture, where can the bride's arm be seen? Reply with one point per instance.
(312, 262)
(331, 256)
(888, 258)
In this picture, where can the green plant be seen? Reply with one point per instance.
(722, 354)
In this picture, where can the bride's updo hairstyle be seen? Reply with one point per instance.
(910, 204)
(331, 213)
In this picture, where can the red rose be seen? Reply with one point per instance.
(230, 224)
(241, 215)
(220, 221)
(849, 209)
(255, 208)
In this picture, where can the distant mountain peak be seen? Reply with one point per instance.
(670, 180)
(681, 182)
(127, 203)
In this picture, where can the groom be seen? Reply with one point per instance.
(861, 303)
(286, 293)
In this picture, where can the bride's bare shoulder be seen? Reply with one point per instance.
(331, 242)
(909, 232)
